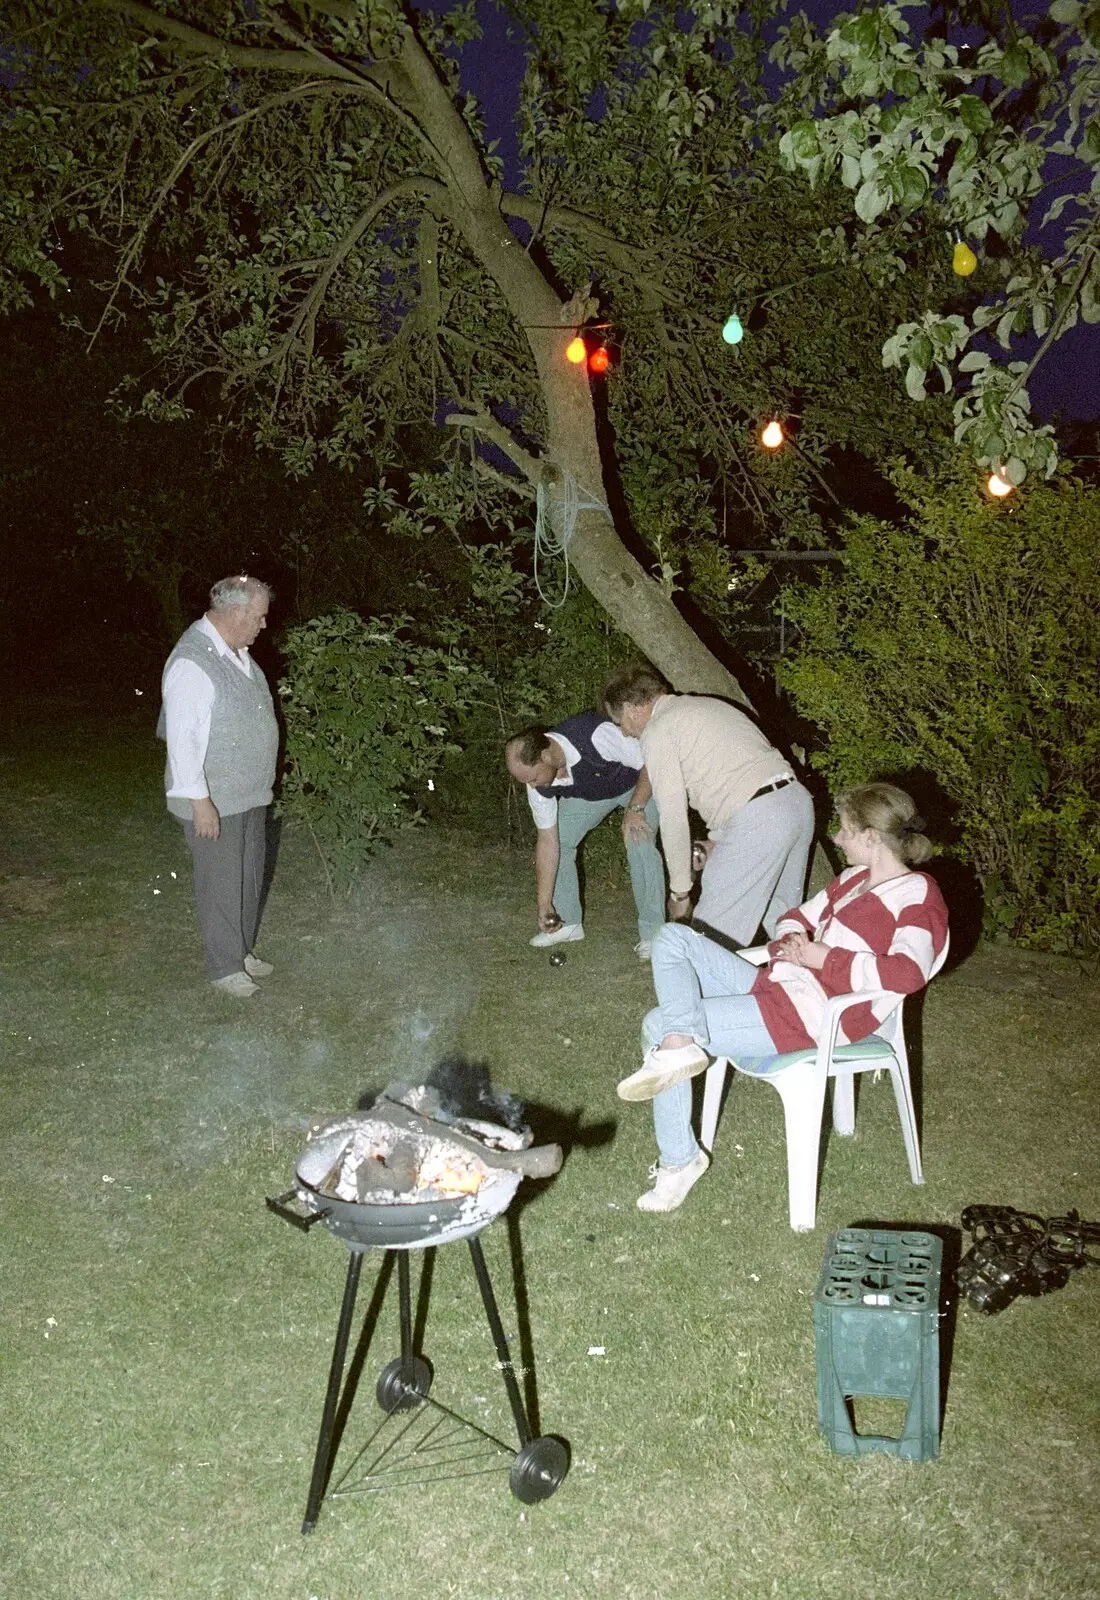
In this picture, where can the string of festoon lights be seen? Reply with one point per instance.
(591, 348)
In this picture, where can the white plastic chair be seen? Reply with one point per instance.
(800, 1079)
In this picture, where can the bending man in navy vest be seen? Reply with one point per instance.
(576, 774)
(223, 739)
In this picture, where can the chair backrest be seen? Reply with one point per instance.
(892, 1026)
(891, 1029)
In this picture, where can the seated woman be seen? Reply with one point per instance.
(879, 925)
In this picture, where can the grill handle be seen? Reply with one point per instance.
(298, 1219)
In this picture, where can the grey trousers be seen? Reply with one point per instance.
(229, 876)
(757, 868)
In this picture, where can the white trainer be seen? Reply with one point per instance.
(644, 949)
(566, 934)
(257, 968)
(671, 1184)
(238, 984)
(660, 1069)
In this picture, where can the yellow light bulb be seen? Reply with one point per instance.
(772, 436)
(998, 486)
(576, 352)
(964, 260)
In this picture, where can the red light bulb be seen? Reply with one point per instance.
(600, 359)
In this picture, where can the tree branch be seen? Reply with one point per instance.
(1056, 326)
(230, 129)
(311, 303)
(199, 43)
(485, 423)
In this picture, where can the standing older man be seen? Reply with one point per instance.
(704, 753)
(223, 739)
(576, 774)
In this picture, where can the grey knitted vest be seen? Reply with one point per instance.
(244, 736)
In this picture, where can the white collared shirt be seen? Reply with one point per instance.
(188, 704)
(611, 743)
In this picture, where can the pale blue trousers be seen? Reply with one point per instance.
(576, 819)
(703, 991)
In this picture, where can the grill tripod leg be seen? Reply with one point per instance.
(336, 1372)
(404, 1295)
(496, 1328)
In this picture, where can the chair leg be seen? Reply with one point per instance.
(802, 1090)
(712, 1101)
(844, 1102)
(907, 1112)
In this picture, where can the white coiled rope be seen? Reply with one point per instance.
(555, 520)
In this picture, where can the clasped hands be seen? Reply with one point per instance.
(802, 952)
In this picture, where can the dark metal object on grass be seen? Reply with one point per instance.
(1015, 1253)
(392, 1141)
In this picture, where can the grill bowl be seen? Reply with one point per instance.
(398, 1224)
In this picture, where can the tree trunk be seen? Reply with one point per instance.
(412, 88)
(636, 603)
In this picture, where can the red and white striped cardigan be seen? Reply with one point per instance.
(887, 938)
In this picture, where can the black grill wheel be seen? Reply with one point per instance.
(538, 1470)
(403, 1384)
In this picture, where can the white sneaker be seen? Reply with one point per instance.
(257, 968)
(660, 1069)
(644, 949)
(671, 1184)
(238, 984)
(566, 934)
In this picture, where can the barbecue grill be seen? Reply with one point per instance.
(408, 1174)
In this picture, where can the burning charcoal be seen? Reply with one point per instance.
(395, 1173)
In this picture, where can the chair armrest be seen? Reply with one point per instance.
(835, 1009)
(756, 955)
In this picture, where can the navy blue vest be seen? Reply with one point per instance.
(594, 777)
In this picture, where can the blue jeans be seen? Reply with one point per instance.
(576, 819)
(703, 991)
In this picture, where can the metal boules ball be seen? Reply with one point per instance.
(557, 958)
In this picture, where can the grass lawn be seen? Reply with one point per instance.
(164, 1340)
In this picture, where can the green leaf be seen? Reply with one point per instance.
(804, 141)
(1015, 67)
(914, 382)
(915, 188)
(920, 351)
(975, 114)
(871, 201)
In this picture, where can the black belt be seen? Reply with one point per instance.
(780, 783)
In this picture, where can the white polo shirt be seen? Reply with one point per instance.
(611, 742)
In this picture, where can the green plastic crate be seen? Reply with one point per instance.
(877, 1329)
